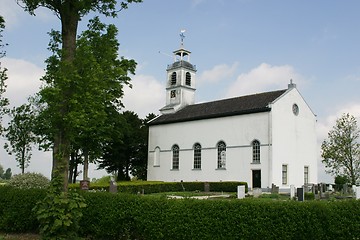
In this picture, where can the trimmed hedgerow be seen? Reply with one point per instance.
(157, 187)
(16, 206)
(118, 216)
(126, 216)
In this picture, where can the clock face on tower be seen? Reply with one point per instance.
(295, 109)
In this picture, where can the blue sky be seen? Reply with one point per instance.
(239, 47)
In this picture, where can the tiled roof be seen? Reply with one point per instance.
(228, 107)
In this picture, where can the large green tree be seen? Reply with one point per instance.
(20, 136)
(341, 150)
(69, 13)
(126, 152)
(4, 102)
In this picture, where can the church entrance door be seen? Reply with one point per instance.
(256, 178)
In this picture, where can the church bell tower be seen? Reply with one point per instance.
(180, 84)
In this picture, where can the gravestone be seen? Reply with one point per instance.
(241, 192)
(113, 186)
(274, 189)
(84, 184)
(257, 192)
(292, 191)
(357, 193)
(300, 194)
(206, 187)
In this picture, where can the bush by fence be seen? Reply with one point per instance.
(157, 187)
(125, 216)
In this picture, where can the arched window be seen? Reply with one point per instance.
(173, 78)
(157, 156)
(197, 156)
(256, 151)
(175, 157)
(188, 79)
(221, 146)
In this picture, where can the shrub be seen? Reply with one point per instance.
(125, 216)
(309, 196)
(59, 212)
(29, 180)
(158, 187)
(15, 209)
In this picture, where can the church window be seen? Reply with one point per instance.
(221, 161)
(175, 157)
(284, 174)
(188, 79)
(157, 156)
(256, 151)
(172, 94)
(197, 156)
(306, 174)
(173, 78)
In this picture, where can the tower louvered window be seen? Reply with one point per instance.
(188, 79)
(173, 78)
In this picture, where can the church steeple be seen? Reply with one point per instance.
(180, 85)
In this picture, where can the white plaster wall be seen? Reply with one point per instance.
(293, 140)
(236, 131)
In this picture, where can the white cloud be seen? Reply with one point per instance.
(13, 13)
(325, 125)
(218, 73)
(146, 96)
(23, 80)
(263, 78)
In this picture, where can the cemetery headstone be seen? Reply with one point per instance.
(84, 184)
(257, 192)
(292, 191)
(357, 191)
(206, 187)
(241, 192)
(274, 189)
(113, 186)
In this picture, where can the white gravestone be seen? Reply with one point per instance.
(292, 191)
(241, 192)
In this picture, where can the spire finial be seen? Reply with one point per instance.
(182, 36)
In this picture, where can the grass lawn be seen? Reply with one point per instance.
(18, 236)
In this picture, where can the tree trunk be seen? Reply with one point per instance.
(71, 166)
(86, 165)
(69, 16)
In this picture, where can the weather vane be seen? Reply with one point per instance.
(182, 36)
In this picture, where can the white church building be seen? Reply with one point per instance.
(262, 139)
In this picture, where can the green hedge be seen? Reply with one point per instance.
(16, 209)
(157, 187)
(125, 216)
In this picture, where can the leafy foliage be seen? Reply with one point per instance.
(59, 213)
(60, 96)
(158, 187)
(123, 216)
(126, 151)
(4, 102)
(29, 180)
(341, 151)
(15, 209)
(20, 135)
